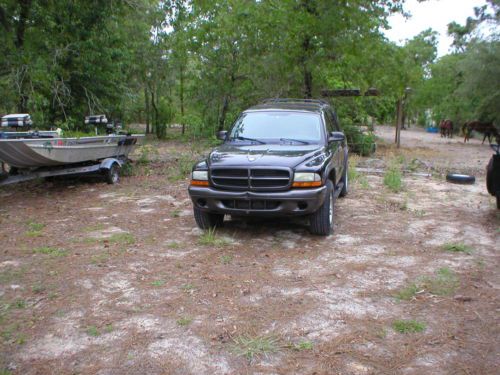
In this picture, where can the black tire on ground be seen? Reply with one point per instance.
(321, 221)
(207, 220)
(498, 199)
(462, 179)
(112, 174)
(489, 177)
(345, 180)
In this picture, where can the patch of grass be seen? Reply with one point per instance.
(393, 179)
(108, 328)
(303, 345)
(210, 238)
(457, 248)
(122, 239)
(52, 251)
(173, 245)
(407, 293)
(444, 283)
(34, 229)
(181, 167)
(145, 154)
(38, 288)
(408, 326)
(99, 258)
(19, 304)
(10, 275)
(175, 213)
(226, 259)
(93, 331)
(184, 321)
(158, 283)
(188, 287)
(95, 227)
(34, 226)
(255, 347)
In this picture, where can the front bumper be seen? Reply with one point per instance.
(294, 202)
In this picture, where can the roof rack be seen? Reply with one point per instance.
(292, 100)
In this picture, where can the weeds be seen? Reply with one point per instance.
(52, 251)
(226, 259)
(393, 179)
(444, 283)
(175, 213)
(209, 238)
(93, 331)
(303, 345)
(34, 229)
(255, 347)
(122, 239)
(408, 326)
(188, 288)
(457, 248)
(184, 321)
(99, 258)
(158, 283)
(182, 167)
(173, 245)
(407, 293)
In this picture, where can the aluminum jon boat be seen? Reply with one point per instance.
(48, 152)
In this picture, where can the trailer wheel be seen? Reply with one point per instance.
(112, 174)
(462, 179)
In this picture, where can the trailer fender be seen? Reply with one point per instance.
(108, 163)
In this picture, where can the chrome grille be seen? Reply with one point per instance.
(250, 179)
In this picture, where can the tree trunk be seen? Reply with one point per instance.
(155, 111)
(222, 117)
(148, 110)
(181, 95)
(399, 117)
(21, 25)
(308, 78)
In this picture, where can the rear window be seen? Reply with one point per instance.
(272, 126)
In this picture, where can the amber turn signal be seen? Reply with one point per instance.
(199, 183)
(306, 184)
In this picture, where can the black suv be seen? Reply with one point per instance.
(283, 157)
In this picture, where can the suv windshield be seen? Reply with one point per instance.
(277, 126)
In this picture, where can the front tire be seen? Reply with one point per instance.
(321, 221)
(206, 220)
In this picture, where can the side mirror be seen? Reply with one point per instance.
(222, 135)
(336, 137)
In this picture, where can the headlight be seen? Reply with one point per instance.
(199, 178)
(200, 175)
(306, 179)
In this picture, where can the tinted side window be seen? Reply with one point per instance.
(330, 127)
(335, 121)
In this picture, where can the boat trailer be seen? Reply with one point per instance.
(108, 168)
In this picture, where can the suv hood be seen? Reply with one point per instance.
(262, 155)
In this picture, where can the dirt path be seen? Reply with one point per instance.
(98, 279)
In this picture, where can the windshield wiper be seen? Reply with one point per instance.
(249, 139)
(294, 140)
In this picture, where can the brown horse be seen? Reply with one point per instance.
(487, 128)
(446, 128)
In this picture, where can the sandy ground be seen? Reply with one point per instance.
(99, 279)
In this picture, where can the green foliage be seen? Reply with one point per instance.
(255, 347)
(52, 251)
(408, 326)
(393, 178)
(457, 248)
